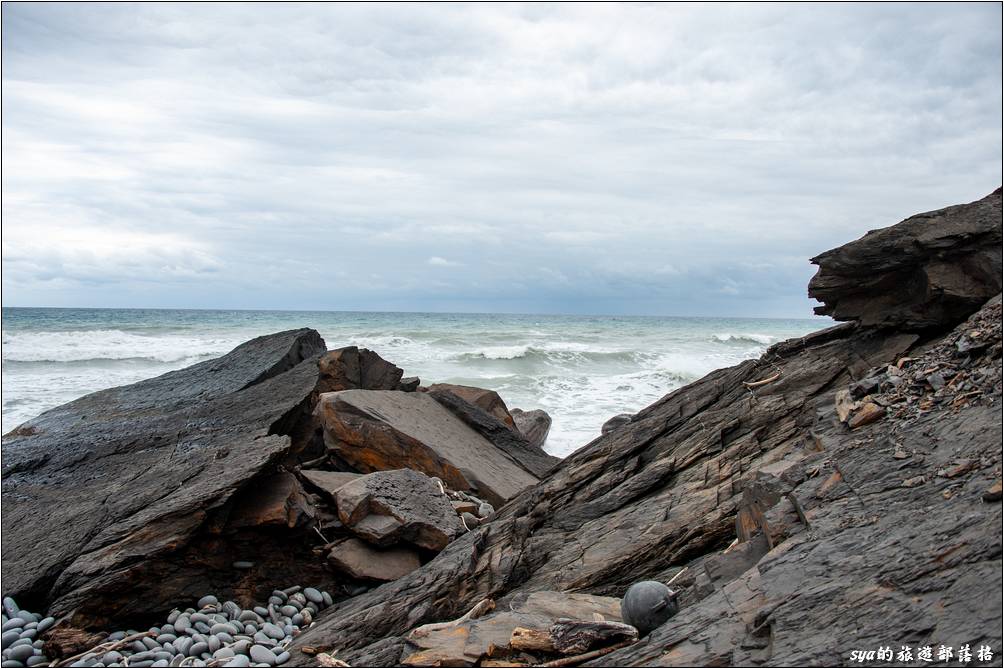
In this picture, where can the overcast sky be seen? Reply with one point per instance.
(630, 159)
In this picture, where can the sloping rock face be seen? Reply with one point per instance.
(844, 543)
(484, 399)
(533, 425)
(383, 430)
(930, 271)
(353, 367)
(103, 496)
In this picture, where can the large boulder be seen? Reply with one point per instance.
(362, 561)
(353, 367)
(488, 401)
(381, 430)
(929, 271)
(402, 505)
(533, 425)
(103, 496)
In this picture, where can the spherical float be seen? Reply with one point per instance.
(648, 604)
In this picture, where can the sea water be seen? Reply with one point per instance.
(580, 369)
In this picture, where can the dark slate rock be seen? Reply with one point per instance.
(145, 464)
(930, 271)
(534, 425)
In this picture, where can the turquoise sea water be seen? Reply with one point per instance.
(580, 369)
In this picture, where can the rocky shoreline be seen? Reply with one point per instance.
(839, 493)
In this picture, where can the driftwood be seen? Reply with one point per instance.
(101, 648)
(585, 657)
(762, 382)
(478, 610)
(524, 638)
(577, 636)
(328, 660)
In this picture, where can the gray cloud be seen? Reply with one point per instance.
(586, 158)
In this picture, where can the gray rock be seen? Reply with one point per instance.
(534, 425)
(389, 507)
(263, 655)
(9, 637)
(615, 422)
(288, 611)
(14, 623)
(282, 657)
(238, 661)
(470, 520)
(20, 653)
(10, 607)
(198, 648)
(272, 631)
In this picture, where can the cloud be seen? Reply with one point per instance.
(644, 155)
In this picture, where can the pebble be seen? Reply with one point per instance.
(273, 631)
(10, 607)
(238, 661)
(20, 653)
(263, 654)
(282, 657)
(485, 510)
(208, 600)
(243, 564)
(289, 611)
(313, 595)
(7, 638)
(261, 611)
(13, 623)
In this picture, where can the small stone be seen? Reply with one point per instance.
(867, 414)
(289, 611)
(36, 661)
(10, 607)
(913, 482)
(328, 601)
(20, 653)
(14, 623)
(470, 520)
(45, 623)
(214, 644)
(208, 600)
(280, 595)
(243, 564)
(272, 631)
(282, 657)
(9, 637)
(261, 611)
(993, 493)
(936, 380)
(198, 649)
(900, 454)
(263, 655)
(313, 595)
(238, 661)
(291, 589)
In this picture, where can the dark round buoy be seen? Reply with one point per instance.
(648, 604)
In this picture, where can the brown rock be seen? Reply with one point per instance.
(868, 413)
(400, 505)
(377, 430)
(464, 506)
(362, 561)
(486, 400)
(277, 500)
(993, 493)
(328, 482)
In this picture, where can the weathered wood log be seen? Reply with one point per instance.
(577, 636)
(478, 610)
(524, 638)
(585, 657)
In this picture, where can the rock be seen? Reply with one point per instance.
(313, 595)
(262, 655)
(647, 605)
(844, 405)
(865, 386)
(150, 466)
(931, 270)
(352, 367)
(376, 431)
(486, 400)
(385, 508)
(361, 561)
(470, 520)
(485, 509)
(328, 482)
(409, 384)
(993, 493)
(467, 643)
(615, 422)
(533, 425)
(277, 500)
(936, 380)
(506, 439)
(868, 413)
(463, 506)
(208, 600)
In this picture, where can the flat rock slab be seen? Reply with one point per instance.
(382, 430)
(484, 399)
(362, 561)
(467, 643)
(97, 489)
(329, 482)
(386, 508)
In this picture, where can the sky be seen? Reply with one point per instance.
(598, 159)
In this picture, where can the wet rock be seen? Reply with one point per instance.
(385, 508)
(377, 431)
(615, 422)
(362, 561)
(534, 425)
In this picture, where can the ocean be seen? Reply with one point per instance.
(580, 369)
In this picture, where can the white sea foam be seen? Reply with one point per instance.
(94, 345)
(745, 337)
